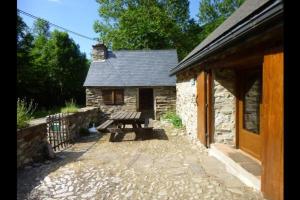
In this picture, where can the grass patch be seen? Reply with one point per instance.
(173, 118)
(70, 107)
(24, 112)
(43, 112)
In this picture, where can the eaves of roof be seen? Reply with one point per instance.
(254, 21)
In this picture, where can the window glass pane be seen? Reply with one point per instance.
(107, 96)
(252, 98)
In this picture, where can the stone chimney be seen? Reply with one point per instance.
(99, 52)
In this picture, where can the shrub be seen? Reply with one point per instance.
(24, 112)
(70, 107)
(173, 118)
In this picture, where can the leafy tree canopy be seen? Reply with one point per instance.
(212, 13)
(51, 68)
(143, 24)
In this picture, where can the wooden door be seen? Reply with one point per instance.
(272, 125)
(201, 107)
(249, 111)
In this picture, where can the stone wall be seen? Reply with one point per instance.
(186, 107)
(164, 100)
(224, 106)
(223, 103)
(82, 119)
(94, 98)
(32, 142)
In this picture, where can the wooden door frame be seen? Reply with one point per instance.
(207, 107)
(239, 91)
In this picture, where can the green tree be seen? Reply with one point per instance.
(142, 24)
(212, 13)
(41, 27)
(24, 46)
(51, 68)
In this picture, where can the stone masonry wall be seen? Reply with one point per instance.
(32, 142)
(223, 102)
(224, 106)
(82, 119)
(164, 100)
(186, 107)
(94, 98)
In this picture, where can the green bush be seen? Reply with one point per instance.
(70, 107)
(24, 112)
(173, 118)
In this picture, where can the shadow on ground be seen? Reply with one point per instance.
(30, 176)
(158, 134)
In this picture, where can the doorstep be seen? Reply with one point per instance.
(238, 163)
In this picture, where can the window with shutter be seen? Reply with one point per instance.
(113, 97)
(107, 96)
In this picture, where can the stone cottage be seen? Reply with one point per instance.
(131, 80)
(230, 94)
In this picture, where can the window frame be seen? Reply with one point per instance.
(113, 93)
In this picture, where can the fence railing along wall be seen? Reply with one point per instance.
(33, 141)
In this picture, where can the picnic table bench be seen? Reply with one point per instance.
(117, 122)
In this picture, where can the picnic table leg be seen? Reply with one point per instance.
(112, 136)
(137, 133)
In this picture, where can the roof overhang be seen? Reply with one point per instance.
(255, 21)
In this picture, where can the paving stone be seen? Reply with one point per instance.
(178, 168)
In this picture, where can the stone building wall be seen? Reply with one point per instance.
(94, 98)
(164, 100)
(223, 103)
(186, 107)
(224, 106)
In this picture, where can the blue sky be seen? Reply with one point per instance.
(75, 15)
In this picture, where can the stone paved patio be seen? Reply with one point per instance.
(167, 166)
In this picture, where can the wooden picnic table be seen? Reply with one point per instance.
(125, 117)
(119, 120)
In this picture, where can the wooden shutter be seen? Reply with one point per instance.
(119, 97)
(107, 96)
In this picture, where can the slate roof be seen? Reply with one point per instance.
(251, 13)
(133, 68)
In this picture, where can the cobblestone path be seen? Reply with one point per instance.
(167, 166)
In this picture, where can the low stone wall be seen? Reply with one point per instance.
(164, 100)
(94, 98)
(82, 119)
(32, 142)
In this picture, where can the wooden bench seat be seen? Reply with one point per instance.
(105, 124)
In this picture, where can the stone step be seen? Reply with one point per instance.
(244, 167)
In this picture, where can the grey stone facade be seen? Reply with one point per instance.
(186, 107)
(164, 100)
(223, 103)
(94, 98)
(224, 106)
